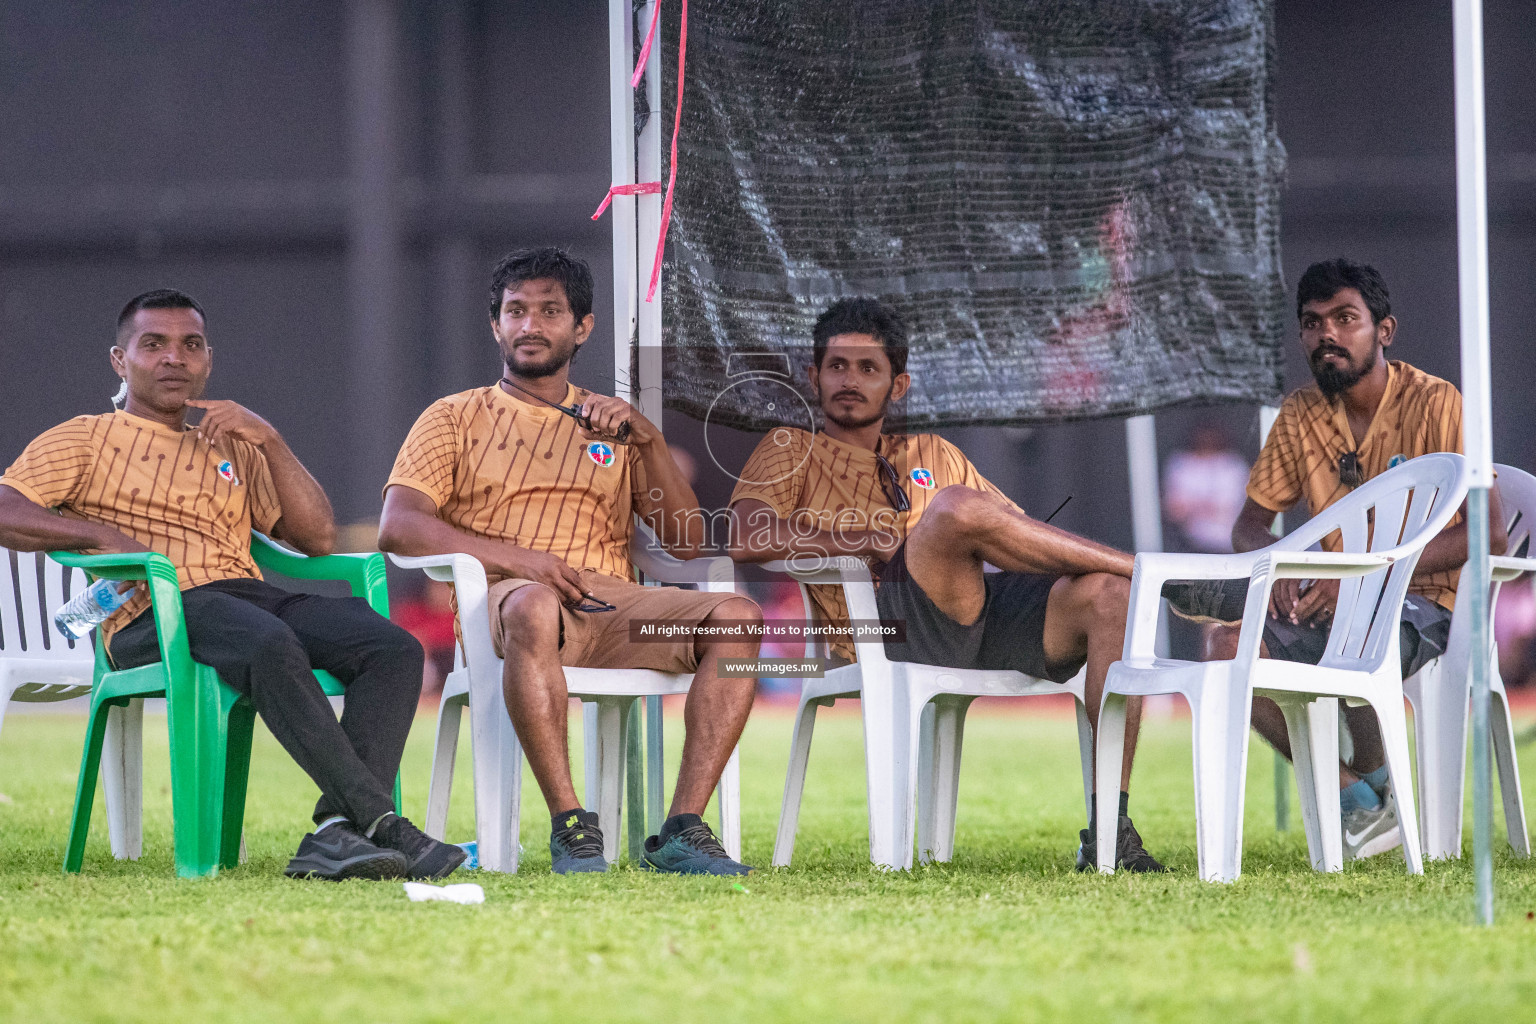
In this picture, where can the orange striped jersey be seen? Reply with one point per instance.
(817, 482)
(193, 502)
(499, 467)
(1419, 413)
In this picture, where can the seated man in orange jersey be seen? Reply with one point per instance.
(506, 473)
(143, 479)
(921, 513)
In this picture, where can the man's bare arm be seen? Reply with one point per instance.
(27, 526)
(759, 535)
(410, 526)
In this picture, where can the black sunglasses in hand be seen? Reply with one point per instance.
(1350, 473)
(594, 604)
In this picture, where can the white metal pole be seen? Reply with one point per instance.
(646, 384)
(1477, 424)
(621, 148)
(1146, 501)
(1267, 416)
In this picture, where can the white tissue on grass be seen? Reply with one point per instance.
(464, 892)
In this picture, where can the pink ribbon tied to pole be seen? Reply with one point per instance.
(654, 187)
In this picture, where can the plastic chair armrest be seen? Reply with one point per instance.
(443, 568)
(364, 572)
(1507, 567)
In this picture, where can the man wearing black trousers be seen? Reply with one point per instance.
(142, 479)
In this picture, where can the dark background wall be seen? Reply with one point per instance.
(334, 180)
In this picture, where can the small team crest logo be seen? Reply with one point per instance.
(227, 471)
(600, 453)
(923, 478)
(1397, 460)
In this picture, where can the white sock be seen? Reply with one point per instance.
(376, 822)
(328, 822)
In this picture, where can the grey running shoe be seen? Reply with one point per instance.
(576, 847)
(1367, 833)
(686, 846)
(1207, 600)
(1130, 855)
(425, 857)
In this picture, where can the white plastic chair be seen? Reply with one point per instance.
(39, 664)
(607, 695)
(914, 727)
(1440, 693)
(1408, 506)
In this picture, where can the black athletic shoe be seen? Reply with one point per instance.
(576, 846)
(341, 851)
(1207, 600)
(425, 857)
(1130, 855)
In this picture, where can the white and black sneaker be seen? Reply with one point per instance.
(341, 851)
(1369, 832)
(1207, 600)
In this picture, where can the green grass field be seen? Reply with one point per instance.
(1007, 931)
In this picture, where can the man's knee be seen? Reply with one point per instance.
(737, 608)
(957, 510)
(1107, 598)
(1221, 643)
(530, 617)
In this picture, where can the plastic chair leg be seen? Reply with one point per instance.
(728, 794)
(1085, 755)
(122, 778)
(1503, 729)
(1221, 715)
(794, 781)
(240, 725)
(890, 760)
(196, 718)
(450, 715)
(1394, 739)
(948, 742)
(634, 782)
(1440, 721)
(1314, 734)
(85, 788)
(1110, 751)
(498, 759)
(926, 797)
(612, 723)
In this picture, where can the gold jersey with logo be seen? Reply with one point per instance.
(499, 467)
(193, 502)
(815, 481)
(1419, 413)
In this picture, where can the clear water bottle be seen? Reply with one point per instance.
(90, 608)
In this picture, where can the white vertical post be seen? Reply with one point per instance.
(621, 149)
(647, 386)
(1267, 416)
(1477, 427)
(1146, 502)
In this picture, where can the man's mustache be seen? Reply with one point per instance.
(848, 394)
(1329, 350)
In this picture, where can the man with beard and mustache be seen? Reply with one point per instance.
(920, 512)
(509, 475)
(143, 479)
(1363, 415)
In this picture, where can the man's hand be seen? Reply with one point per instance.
(225, 418)
(1315, 604)
(114, 543)
(607, 413)
(542, 567)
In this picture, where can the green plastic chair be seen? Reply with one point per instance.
(210, 724)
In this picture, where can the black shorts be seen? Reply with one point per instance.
(1009, 633)
(1423, 634)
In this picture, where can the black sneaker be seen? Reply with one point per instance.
(342, 851)
(425, 857)
(686, 846)
(576, 845)
(1207, 600)
(1130, 855)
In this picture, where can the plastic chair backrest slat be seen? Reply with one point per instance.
(32, 614)
(1388, 512)
(10, 632)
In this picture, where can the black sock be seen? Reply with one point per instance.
(1125, 802)
(565, 819)
(677, 823)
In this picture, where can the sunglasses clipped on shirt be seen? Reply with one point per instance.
(1350, 473)
(890, 483)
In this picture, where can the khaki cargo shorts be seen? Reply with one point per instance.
(601, 639)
